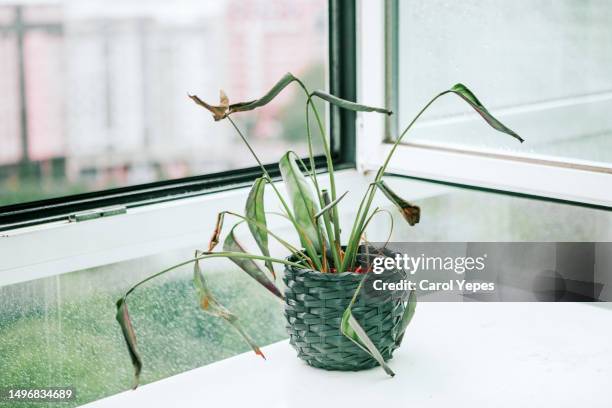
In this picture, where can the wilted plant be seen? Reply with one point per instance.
(313, 214)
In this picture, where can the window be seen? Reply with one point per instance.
(59, 281)
(94, 96)
(543, 71)
(459, 214)
(61, 330)
(63, 297)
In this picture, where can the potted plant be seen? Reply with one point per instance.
(329, 323)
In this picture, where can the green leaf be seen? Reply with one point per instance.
(470, 98)
(255, 211)
(305, 207)
(123, 317)
(410, 212)
(350, 327)
(211, 306)
(248, 265)
(343, 103)
(264, 100)
(330, 205)
(407, 316)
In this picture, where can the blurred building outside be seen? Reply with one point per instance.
(97, 100)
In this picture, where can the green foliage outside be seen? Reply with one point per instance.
(74, 340)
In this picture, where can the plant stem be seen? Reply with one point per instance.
(240, 255)
(309, 247)
(377, 211)
(370, 193)
(332, 238)
(353, 243)
(381, 171)
(326, 222)
(330, 168)
(286, 244)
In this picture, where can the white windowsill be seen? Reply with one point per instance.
(57, 248)
(454, 354)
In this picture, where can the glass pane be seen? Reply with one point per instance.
(10, 127)
(542, 67)
(61, 331)
(105, 85)
(453, 214)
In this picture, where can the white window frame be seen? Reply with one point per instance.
(56, 248)
(579, 182)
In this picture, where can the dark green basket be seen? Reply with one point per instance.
(314, 304)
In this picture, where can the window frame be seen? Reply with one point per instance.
(561, 181)
(342, 82)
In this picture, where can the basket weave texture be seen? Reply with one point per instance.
(314, 304)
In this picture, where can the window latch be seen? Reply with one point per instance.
(97, 213)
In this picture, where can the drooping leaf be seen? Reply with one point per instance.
(255, 211)
(248, 265)
(264, 100)
(220, 111)
(207, 302)
(305, 207)
(350, 327)
(214, 239)
(211, 306)
(330, 205)
(410, 212)
(123, 317)
(407, 316)
(343, 103)
(470, 98)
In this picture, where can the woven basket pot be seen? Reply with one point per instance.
(314, 304)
